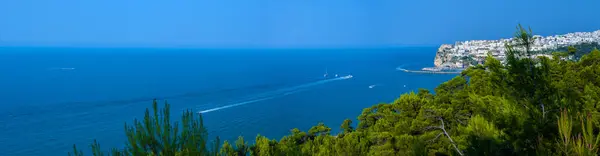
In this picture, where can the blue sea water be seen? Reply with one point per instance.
(53, 98)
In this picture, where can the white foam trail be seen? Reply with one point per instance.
(285, 91)
(375, 85)
(62, 68)
(237, 104)
(279, 91)
(314, 83)
(251, 101)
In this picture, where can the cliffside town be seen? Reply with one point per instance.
(466, 53)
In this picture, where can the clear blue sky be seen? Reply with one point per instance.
(282, 23)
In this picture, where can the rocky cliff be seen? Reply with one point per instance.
(441, 56)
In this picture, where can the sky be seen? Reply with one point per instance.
(283, 23)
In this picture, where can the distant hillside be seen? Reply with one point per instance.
(582, 49)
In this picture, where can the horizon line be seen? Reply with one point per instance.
(224, 48)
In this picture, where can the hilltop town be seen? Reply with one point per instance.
(466, 53)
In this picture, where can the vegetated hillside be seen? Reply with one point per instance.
(537, 106)
(579, 49)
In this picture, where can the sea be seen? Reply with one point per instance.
(53, 98)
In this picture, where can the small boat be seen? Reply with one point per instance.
(372, 86)
(336, 75)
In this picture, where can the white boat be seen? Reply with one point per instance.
(371, 86)
(336, 75)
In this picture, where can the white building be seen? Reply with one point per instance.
(480, 48)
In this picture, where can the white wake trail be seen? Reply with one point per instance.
(237, 104)
(278, 93)
(251, 101)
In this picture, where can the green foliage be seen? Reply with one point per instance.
(346, 127)
(227, 149)
(241, 147)
(585, 143)
(483, 137)
(565, 127)
(76, 152)
(522, 107)
(572, 50)
(156, 134)
(320, 129)
(524, 39)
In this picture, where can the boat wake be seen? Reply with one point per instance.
(61, 69)
(248, 102)
(277, 93)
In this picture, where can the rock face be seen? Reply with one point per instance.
(441, 56)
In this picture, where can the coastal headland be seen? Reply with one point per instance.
(453, 58)
(468, 53)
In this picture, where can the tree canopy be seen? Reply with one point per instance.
(527, 106)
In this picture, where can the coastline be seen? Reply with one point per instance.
(463, 54)
(423, 71)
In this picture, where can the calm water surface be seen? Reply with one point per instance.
(53, 98)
